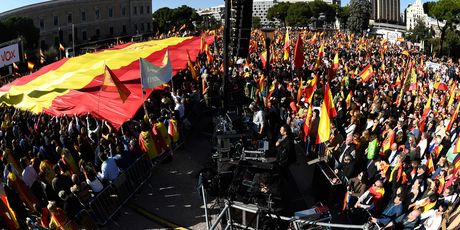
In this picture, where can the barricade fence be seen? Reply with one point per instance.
(115, 195)
(107, 203)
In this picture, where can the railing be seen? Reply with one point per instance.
(113, 197)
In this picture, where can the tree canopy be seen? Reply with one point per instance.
(279, 12)
(14, 27)
(359, 16)
(300, 13)
(167, 19)
(444, 10)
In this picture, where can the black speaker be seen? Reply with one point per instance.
(244, 27)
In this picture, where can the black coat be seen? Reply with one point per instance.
(285, 152)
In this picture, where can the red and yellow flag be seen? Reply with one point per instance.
(429, 163)
(426, 111)
(456, 163)
(30, 65)
(191, 68)
(388, 141)
(330, 103)
(300, 91)
(348, 99)
(61, 47)
(286, 48)
(335, 63)
(306, 124)
(324, 127)
(208, 54)
(413, 80)
(111, 81)
(405, 52)
(367, 73)
(452, 119)
(309, 91)
(263, 58)
(457, 146)
(299, 58)
(313, 39)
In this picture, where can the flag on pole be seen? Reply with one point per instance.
(191, 68)
(30, 65)
(111, 82)
(306, 124)
(348, 99)
(309, 91)
(330, 103)
(286, 48)
(324, 127)
(42, 57)
(335, 63)
(313, 39)
(61, 47)
(426, 111)
(367, 73)
(299, 58)
(152, 76)
(15, 66)
(456, 163)
(300, 91)
(413, 80)
(263, 58)
(452, 119)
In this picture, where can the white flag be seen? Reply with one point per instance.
(152, 75)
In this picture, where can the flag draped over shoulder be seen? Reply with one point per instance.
(152, 76)
(112, 82)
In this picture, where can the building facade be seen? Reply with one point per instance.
(413, 13)
(385, 11)
(216, 12)
(260, 9)
(92, 20)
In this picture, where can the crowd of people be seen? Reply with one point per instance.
(392, 141)
(53, 167)
(393, 118)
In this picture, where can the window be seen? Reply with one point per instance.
(123, 11)
(111, 30)
(84, 36)
(135, 10)
(70, 37)
(69, 18)
(135, 27)
(148, 26)
(147, 9)
(42, 23)
(142, 26)
(110, 12)
(142, 9)
(98, 32)
(56, 20)
(83, 16)
(124, 29)
(97, 14)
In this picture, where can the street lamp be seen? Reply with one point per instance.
(269, 33)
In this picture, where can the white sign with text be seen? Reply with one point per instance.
(9, 55)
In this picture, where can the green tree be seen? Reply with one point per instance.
(359, 16)
(164, 18)
(279, 12)
(256, 22)
(343, 13)
(299, 14)
(444, 10)
(15, 27)
(419, 32)
(452, 40)
(318, 7)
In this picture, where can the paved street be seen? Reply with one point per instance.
(172, 193)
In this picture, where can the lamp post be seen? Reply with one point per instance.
(268, 34)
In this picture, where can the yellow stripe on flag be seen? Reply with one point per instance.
(77, 72)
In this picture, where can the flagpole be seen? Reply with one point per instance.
(142, 87)
(98, 111)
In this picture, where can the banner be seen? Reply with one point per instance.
(9, 55)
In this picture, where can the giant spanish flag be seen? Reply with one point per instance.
(71, 86)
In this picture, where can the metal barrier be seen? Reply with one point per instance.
(114, 196)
